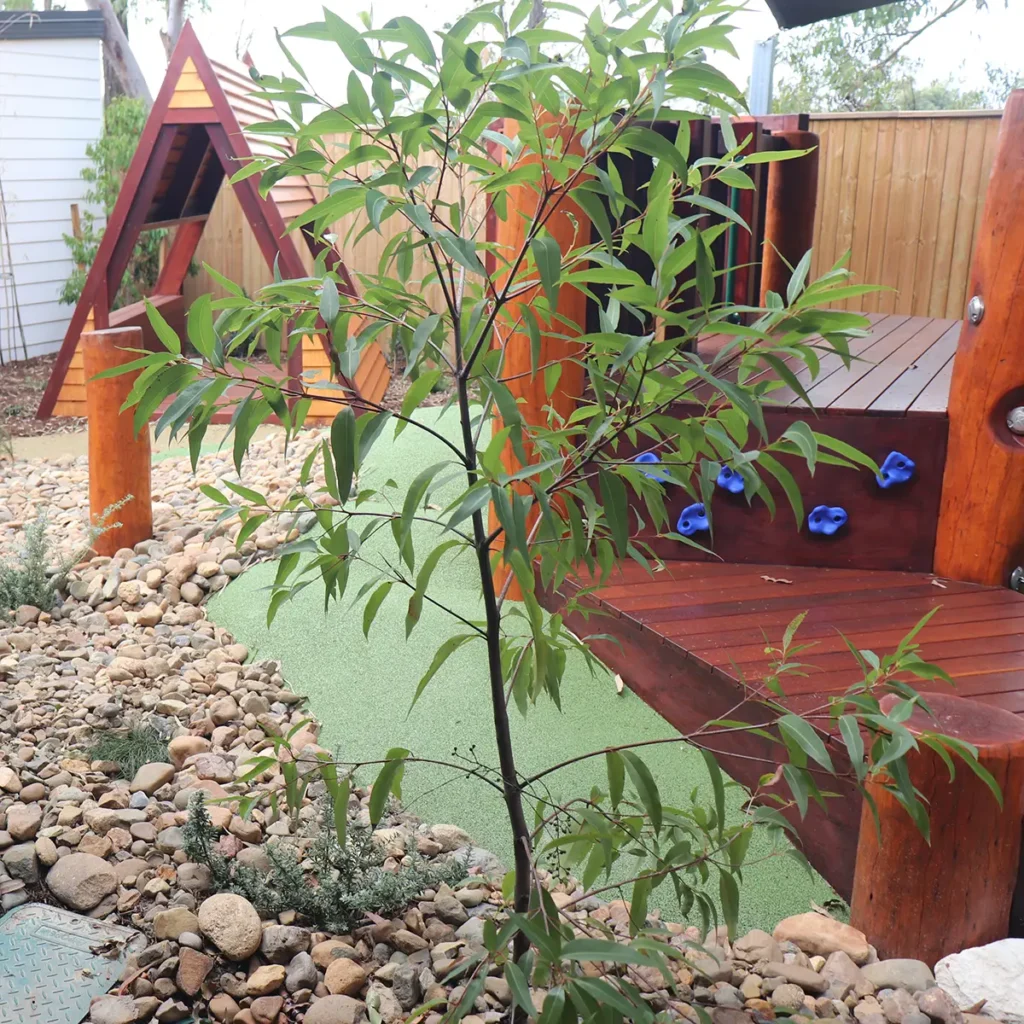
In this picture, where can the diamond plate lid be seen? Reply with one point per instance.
(54, 962)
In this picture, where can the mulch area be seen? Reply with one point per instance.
(21, 387)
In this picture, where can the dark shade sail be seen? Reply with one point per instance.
(793, 13)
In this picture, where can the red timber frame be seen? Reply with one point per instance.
(173, 179)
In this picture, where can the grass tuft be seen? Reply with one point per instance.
(131, 750)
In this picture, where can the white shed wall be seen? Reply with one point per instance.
(51, 108)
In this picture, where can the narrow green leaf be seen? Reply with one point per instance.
(419, 340)
(441, 655)
(803, 437)
(582, 950)
(645, 786)
(788, 484)
(548, 258)
(799, 278)
(705, 272)
(638, 904)
(199, 325)
(472, 501)
(343, 448)
(463, 251)
(520, 988)
(163, 330)
(423, 581)
(418, 390)
(373, 605)
(616, 509)
(729, 896)
(850, 730)
(806, 737)
(616, 776)
(330, 304)
(388, 781)
(717, 785)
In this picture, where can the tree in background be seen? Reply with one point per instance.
(123, 122)
(860, 62)
(120, 62)
(1002, 81)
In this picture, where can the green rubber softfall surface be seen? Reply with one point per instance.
(361, 691)
(53, 963)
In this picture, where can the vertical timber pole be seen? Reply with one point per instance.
(570, 228)
(922, 900)
(980, 536)
(789, 213)
(119, 462)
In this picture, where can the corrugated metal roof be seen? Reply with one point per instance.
(51, 25)
(793, 13)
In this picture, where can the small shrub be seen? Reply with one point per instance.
(40, 573)
(29, 581)
(342, 885)
(131, 750)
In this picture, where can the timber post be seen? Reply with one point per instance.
(119, 461)
(569, 226)
(789, 212)
(980, 536)
(923, 900)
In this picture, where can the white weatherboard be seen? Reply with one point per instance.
(51, 108)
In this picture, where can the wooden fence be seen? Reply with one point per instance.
(902, 191)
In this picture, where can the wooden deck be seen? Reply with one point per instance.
(902, 368)
(690, 641)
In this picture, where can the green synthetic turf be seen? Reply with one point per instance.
(362, 690)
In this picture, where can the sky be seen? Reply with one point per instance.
(959, 46)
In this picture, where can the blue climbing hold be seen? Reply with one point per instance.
(692, 519)
(731, 481)
(826, 520)
(650, 459)
(897, 469)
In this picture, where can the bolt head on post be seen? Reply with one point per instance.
(976, 310)
(1015, 420)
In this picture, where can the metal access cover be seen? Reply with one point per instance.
(54, 962)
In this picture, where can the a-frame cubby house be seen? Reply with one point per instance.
(192, 142)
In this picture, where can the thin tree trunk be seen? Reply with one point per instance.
(175, 23)
(511, 785)
(119, 54)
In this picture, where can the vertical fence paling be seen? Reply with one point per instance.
(903, 191)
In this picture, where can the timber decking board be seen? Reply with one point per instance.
(904, 390)
(726, 611)
(869, 387)
(898, 368)
(934, 398)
